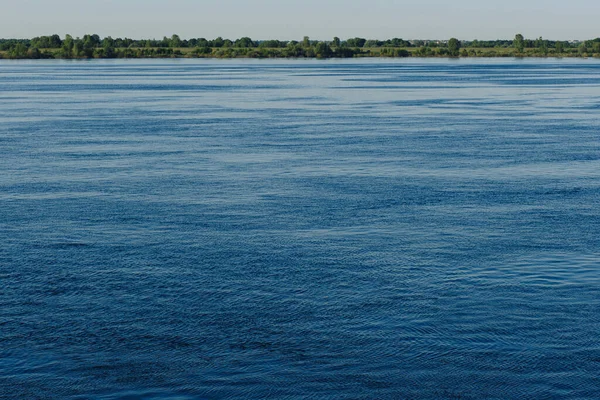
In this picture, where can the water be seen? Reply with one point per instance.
(300, 229)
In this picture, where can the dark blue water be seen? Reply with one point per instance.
(292, 229)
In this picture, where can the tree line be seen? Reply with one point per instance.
(93, 46)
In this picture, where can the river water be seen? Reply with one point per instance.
(188, 229)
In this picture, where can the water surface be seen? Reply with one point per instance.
(299, 229)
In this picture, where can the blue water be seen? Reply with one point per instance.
(300, 229)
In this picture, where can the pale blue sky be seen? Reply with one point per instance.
(319, 19)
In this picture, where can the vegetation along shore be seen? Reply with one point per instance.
(92, 46)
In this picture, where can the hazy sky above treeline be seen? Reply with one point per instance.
(319, 19)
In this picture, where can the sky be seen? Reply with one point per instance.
(291, 19)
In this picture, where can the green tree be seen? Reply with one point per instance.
(453, 47)
(89, 43)
(400, 42)
(109, 52)
(519, 43)
(108, 42)
(175, 41)
(19, 51)
(560, 47)
(218, 42)
(34, 53)
(77, 48)
(67, 46)
(244, 42)
(372, 43)
(322, 50)
(306, 41)
(272, 44)
(336, 42)
(41, 42)
(424, 51)
(55, 41)
(356, 42)
(541, 46)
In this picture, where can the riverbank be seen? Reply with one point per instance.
(290, 52)
(92, 46)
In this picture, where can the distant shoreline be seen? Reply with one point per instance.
(234, 53)
(92, 46)
(296, 58)
(238, 57)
